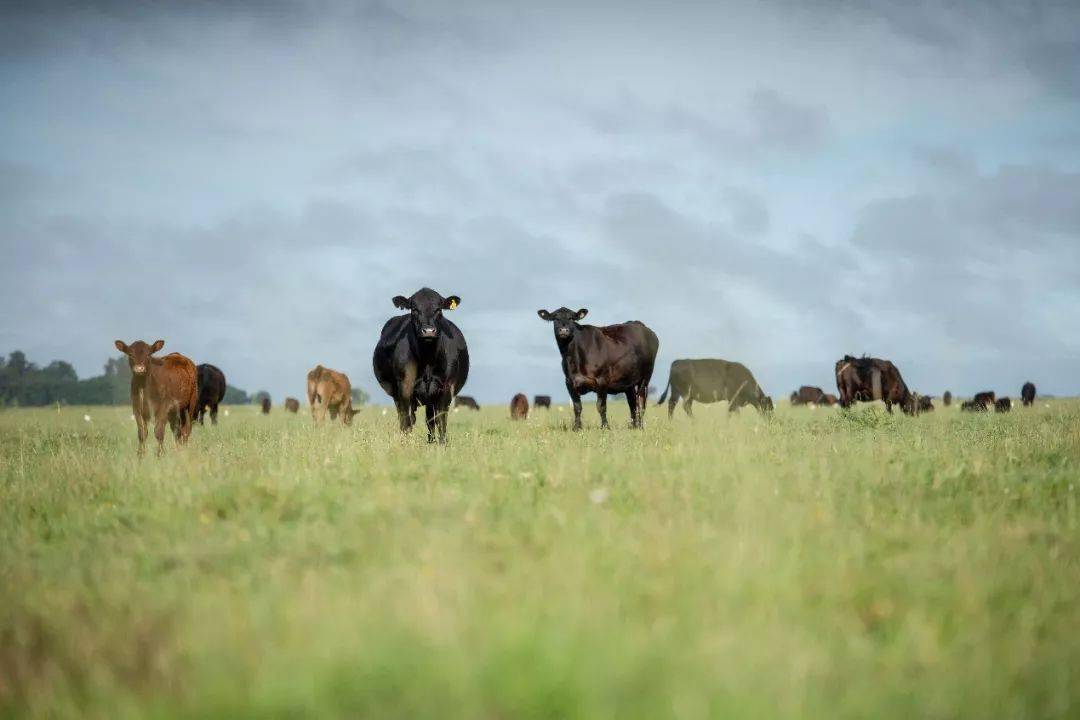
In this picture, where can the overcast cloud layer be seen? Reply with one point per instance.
(755, 181)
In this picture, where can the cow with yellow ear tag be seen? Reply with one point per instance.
(421, 359)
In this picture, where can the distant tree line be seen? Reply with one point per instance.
(23, 383)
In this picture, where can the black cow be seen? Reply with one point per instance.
(985, 398)
(972, 406)
(946, 399)
(926, 403)
(542, 401)
(1002, 405)
(1027, 394)
(211, 383)
(711, 381)
(466, 401)
(421, 359)
(606, 359)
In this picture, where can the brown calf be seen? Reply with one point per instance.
(519, 407)
(292, 405)
(329, 390)
(166, 388)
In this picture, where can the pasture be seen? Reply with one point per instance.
(819, 564)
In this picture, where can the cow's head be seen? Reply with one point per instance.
(426, 307)
(138, 354)
(765, 404)
(565, 321)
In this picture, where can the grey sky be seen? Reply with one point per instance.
(760, 182)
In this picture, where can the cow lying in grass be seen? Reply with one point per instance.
(165, 388)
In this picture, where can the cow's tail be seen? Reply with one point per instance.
(663, 395)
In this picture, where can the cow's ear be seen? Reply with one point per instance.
(122, 346)
(582, 313)
(158, 344)
(401, 302)
(451, 302)
(544, 315)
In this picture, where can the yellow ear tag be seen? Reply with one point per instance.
(453, 304)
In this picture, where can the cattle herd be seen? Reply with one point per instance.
(421, 360)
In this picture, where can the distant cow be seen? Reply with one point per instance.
(211, 383)
(519, 407)
(265, 405)
(1002, 405)
(972, 406)
(709, 381)
(1027, 394)
(466, 401)
(926, 403)
(829, 399)
(292, 405)
(986, 399)
(329, 391)
(867, 379)
(421, 359)
(604, 359)
(946, 399)
(807, 395)
(542, 401)
(166, 388)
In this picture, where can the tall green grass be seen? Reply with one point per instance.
(818, 564)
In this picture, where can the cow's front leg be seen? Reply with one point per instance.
(575, 398)
(631, 401)
(404, 413)
(601, 407)
(429, 417)
(443, 416)
(140, 423)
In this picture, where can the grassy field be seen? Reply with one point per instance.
(821, 564)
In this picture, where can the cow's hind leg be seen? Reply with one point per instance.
(601, 407)
(688, 405)
(213, 414)
(632, 401)
(642, 403)
(672, 402)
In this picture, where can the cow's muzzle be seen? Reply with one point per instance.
(429, 331)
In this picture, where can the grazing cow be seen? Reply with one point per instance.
(711, 381)
(542, 401)
(867, 379)
(166, 388)
(329, 391)
(422, 359)
(292, 405)
(986, 399)
(466, 401)
(829, 399)
(926, 403)
(211, 392)
(604, 359)
(1002, 405)
(519, 407)
(946, 399)
(1027, 394)
(265, 406)
(808, 395)
(972, 406)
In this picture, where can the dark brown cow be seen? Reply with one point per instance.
(709, 380)
(329, 391)
(466, 401)
(519, 407)
(212, 387)
(1002, 405)
(829, 399)
(292, 405)
(972, 406)
(867, 379)
(1027, 394)
(946, 399)
(606, 359)
(808, 395)
(926, 403)
(166, 388)
(985, 398)
(265, 405)
(542, 401)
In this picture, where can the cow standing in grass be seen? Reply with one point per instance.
(329, 391)
(985, 398)
(166, 388)
(519, 407)
(1027, 394)
(608, 359)
(866, 379)
(421, 359)
(542, 401)
(212, 386)
(710, 380)
(466, 402)
(292, 405)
